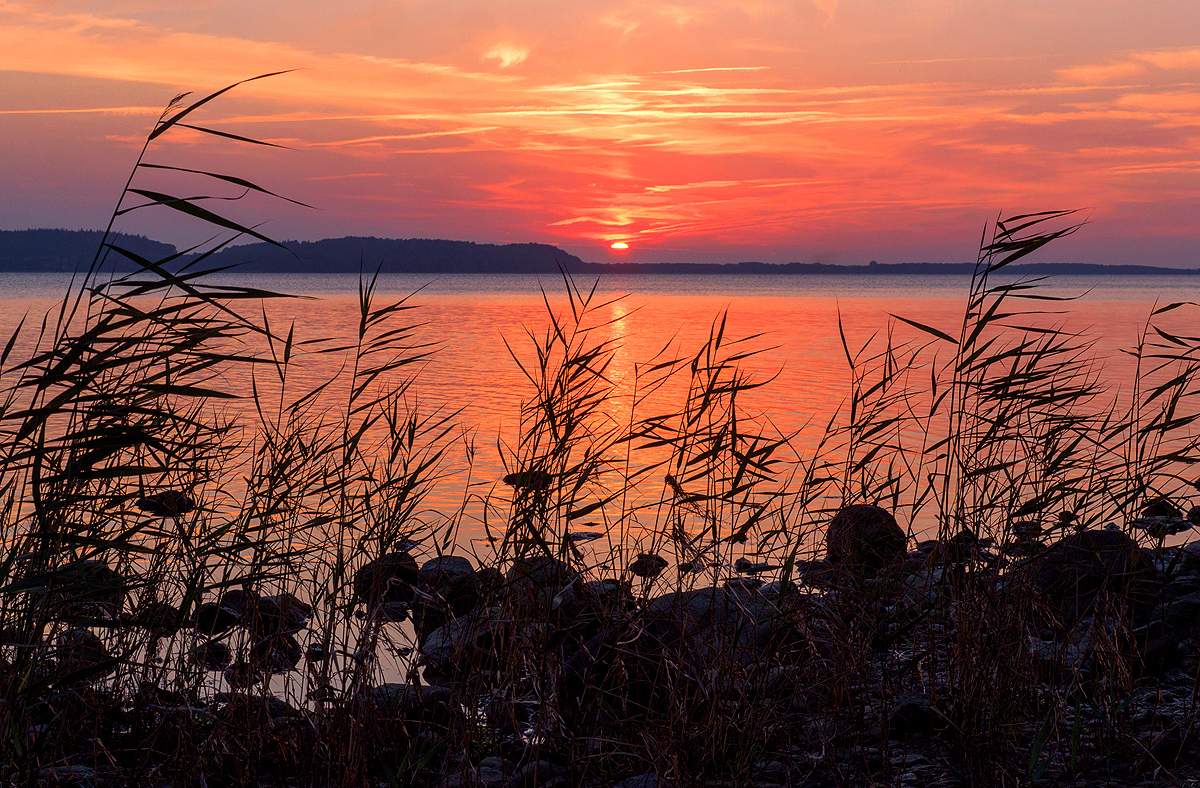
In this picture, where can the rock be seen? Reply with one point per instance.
(817, 574)
(277, 615)
(82, 651)
(315, 652)
(529, 480)
(538, 572)
(239, 601)
(743, 585)
(159, 618)
(865, 539)
(211, 655)
(747, 567)
(168, 503)
(1189, 559)
(714, 623)
(644, 781)
(84, 589)
(242, 674)
(448, 587)
(276, 654)
(1161, 507)
(392, 612)
(913, 716)
(211, 618)
(439, 571)
(389, 578)
(537, 774)
(961, 548)
(648, 565)
(461, 646)
(1076, 569)
(495, 771)
(584, 536)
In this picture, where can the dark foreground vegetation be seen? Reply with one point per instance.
(193, 594)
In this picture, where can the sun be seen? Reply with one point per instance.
(619, 245)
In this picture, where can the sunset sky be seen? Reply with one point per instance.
(791, 130)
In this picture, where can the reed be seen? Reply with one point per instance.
(208, 573)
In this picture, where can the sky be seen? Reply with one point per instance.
(836, 131)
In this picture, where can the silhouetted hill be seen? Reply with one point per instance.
(412, 255)
(66, 250)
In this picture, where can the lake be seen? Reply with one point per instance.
(795, 318)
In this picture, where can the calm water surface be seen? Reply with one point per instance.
(470, 316)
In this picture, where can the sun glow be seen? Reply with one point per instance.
(619, 245)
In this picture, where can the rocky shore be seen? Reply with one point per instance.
(960, 661)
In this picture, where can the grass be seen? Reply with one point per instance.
(163, 517)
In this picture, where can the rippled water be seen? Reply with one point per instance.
(469, 317)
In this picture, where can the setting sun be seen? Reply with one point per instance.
(619, 245)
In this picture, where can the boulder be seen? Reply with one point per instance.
(211, 655)
(276, 654)
(389, 578)
(212, 618)
(648, 565)
(444, 569)
(276, 615)
(168, 503)
(865, 539)
(1071, 576)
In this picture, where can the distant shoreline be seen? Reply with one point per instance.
(65, 251)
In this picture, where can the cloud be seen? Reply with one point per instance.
(507, 54)
(1099, 74)
(826, 7)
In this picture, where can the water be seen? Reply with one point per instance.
(796, 319)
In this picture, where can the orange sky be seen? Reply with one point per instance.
(808, 130)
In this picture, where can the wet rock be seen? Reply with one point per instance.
(168, 503)
(275, 615)
(584, 536)
(276, 654)
(865, 539)
(529, 480)
(747, 567)
(159, 618)
(648, 565)
(211, 655)
(390, 578)
(239, 600)
(1161, 507)
(211, 618)
(1073, 573)
(242, 674)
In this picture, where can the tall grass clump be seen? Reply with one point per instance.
(972, 575)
